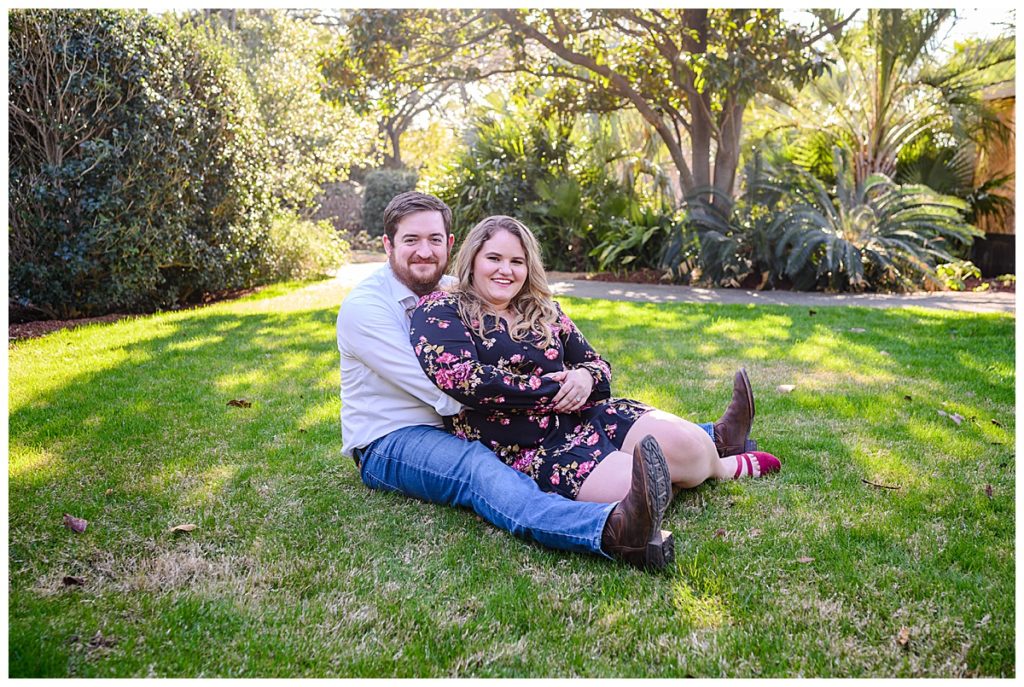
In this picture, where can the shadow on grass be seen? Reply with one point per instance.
(411, 589)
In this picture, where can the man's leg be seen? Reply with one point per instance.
(429, 464)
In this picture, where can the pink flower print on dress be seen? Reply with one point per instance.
(462, 371)
(535, 382)
(443, 324)
(555, 479)
(611, 429)
(517, 358)
(543, 421)
(524, 460)
(551, 354)
(444, 378)
(609, 410)
(446, 358)
(585, 468)
(593, 439)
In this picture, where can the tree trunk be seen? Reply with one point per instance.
(728, 154)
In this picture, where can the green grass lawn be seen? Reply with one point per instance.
(296, 569)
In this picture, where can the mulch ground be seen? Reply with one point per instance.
(30, 330)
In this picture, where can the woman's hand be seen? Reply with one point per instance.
(576, 387)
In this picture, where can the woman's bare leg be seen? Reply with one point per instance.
(609, 480)
(690, 453)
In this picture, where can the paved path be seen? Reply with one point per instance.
(566, 284)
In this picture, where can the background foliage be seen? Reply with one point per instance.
(138, 173)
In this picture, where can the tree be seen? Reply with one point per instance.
(397, 64)
(311, 141)
(690, 73)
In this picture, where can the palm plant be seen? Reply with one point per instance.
(887, 91)
(870, 233)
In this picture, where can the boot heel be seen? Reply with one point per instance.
(661, 550)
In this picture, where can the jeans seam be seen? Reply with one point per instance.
(589, 541)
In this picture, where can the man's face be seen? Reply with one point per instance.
(419, 254)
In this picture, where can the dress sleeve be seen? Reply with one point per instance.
(447, 352)
(580, 354)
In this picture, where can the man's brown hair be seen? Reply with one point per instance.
(405, 204)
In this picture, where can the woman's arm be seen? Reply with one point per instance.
(579, 354)
(447, 353)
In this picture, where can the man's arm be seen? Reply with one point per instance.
(369, 331)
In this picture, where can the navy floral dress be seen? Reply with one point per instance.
(508, 402)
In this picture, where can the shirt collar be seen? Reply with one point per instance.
(400, 293)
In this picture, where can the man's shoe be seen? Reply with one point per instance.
(633, 531)
(732, 431)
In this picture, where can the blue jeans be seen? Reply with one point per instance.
(429, 464)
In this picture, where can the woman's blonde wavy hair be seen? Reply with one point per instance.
(537, 312)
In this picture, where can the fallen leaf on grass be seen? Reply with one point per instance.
(907, 397)
(903, 638)
(858, 330)
(720, 533)
(984, 621)
(955, 417)
(240, 403)
(988, 490)
(75, 524)
(805, 559)
(108, 492)
(72, 581)
(755, 532)
(997, 423)
(182, 528)
(785, 388)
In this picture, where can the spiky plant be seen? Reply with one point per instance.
(871, 234)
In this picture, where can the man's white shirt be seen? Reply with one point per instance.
(383, 387)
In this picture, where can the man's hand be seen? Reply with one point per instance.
(576, 387)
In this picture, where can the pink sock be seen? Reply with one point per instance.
(752, 464)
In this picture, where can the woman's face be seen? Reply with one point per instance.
(499, 269)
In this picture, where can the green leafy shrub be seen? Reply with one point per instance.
(381, 186)
(137, 174)
(952, 274)
(299, 249)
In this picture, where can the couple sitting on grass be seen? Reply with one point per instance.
(477, 390)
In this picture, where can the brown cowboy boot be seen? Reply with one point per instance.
(732, 431)
(633, 531)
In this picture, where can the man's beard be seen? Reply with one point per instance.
(420, 287)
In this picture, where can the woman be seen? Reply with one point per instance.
(534, 390)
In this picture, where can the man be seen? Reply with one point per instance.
(391, 416)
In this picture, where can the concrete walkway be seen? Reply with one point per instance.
(568, 285)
